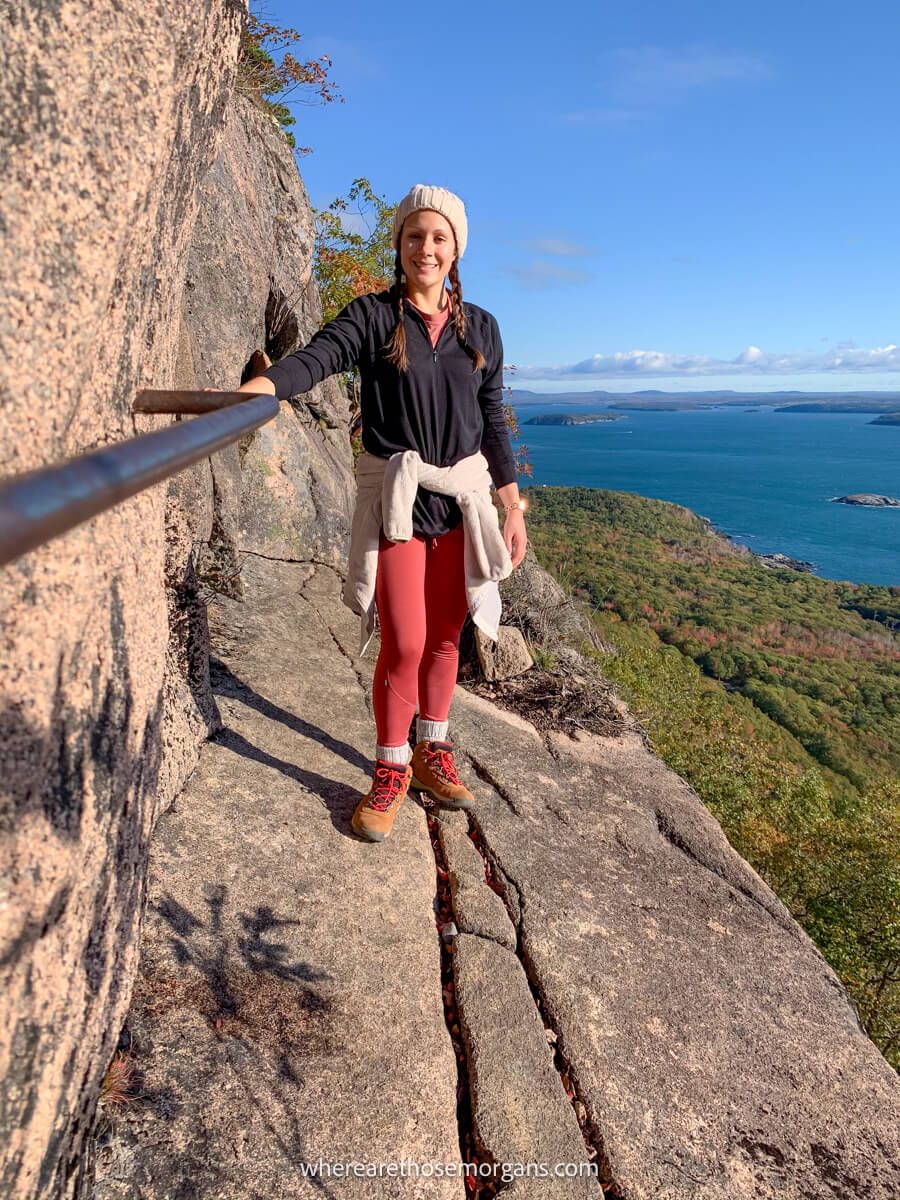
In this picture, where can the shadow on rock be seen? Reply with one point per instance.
(226, 683)
(338, 798)
(243, 981)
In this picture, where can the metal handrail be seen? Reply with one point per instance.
(151, 400)
(42, 504)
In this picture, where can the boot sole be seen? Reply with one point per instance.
(444, 801)
(367, 835)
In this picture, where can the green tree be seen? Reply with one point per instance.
(269, 83)
(775, 694)
(353, 257)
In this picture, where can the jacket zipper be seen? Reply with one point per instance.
(434, 358)
(424, 328)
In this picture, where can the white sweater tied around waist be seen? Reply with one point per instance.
(386, 491)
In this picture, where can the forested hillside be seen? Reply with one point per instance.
(775, 693)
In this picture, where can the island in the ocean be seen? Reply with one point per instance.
(574, 418)
(887, 419)
(867, 499)
(653, 400)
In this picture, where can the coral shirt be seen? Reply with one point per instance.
(434, 321)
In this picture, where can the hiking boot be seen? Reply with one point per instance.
(374, 815)
(434, 772)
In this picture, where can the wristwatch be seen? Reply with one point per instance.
(520, 504)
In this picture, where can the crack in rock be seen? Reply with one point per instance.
(565, 1070)
(568, 1072)
(671, 834)
(442, 906)
(511, 889)
(318, 562)
(326, 623)
(485, 775)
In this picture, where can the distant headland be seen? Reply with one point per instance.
(886, 404)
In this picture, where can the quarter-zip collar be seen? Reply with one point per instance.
(420, 321)
(447, 297)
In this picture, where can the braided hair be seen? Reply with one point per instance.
(397, 345)
(459, 318)
(397, 353)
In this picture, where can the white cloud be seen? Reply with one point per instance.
(648, 74)
(642, 79)
(559, 247)
(841, 359)
(538, 275)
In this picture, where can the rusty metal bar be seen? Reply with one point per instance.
(154, 401)
(42, 504)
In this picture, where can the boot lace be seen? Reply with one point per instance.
(440, 760)
(389, 781)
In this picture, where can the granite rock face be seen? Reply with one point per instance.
(109, 117)
(286, 490)
(155, 234)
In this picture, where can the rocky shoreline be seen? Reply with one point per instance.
(863, 499)
(782, 560)
(767, 560)
(867, 499)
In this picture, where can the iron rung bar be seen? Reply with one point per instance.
(151, 400)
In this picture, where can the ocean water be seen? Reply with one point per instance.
(764, 478)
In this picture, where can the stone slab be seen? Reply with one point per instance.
(288, 1006)
(505, 658)
(520, 1112)
(476, 907)
(717, 1053)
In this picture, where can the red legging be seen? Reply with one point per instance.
(420, 593)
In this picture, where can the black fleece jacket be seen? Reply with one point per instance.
(439, 406)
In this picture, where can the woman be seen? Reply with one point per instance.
(431, 368)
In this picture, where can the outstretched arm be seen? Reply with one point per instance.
(259, 385)
(336, 347)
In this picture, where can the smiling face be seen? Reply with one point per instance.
(427, 248)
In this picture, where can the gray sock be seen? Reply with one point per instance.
(431, 731)
(394, 754)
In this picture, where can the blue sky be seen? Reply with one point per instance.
(660, 195)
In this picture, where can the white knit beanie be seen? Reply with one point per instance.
(438, 199)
